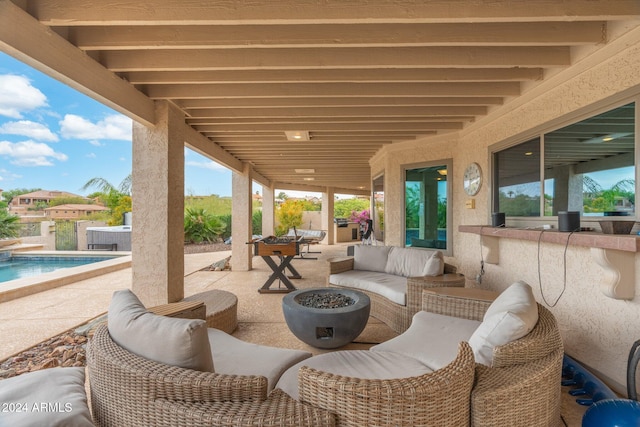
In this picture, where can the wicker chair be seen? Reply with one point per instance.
(437, 399)
(128, 390)
(398, 317)
(522, 387)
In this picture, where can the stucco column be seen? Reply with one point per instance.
(157, 238)
(268, 211)
(327, 216)
(241, 210)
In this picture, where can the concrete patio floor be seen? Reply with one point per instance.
(29, 320)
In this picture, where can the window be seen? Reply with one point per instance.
(427, 218)
(587, 166)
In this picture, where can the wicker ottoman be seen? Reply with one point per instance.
(222, 309)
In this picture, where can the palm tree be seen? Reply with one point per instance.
(118, 199)
(9, 225)
(106, 187)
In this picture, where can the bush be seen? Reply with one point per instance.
(289, 215)
(200, 226)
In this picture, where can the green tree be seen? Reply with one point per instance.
(200, 226)
(9, 225)
(256, 222)
(289, 215)
(342, 208)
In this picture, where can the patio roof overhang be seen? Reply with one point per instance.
(356, 76)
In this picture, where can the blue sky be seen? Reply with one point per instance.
(55, 138)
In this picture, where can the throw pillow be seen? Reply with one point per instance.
(370, 258)
(511, 316)
(172, 341)
(413, 262)
(53, 397)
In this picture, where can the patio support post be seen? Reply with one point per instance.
(241, 211)
(327, 215)
(268, 211)
(157, 238)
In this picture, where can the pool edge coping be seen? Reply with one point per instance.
(19, 288)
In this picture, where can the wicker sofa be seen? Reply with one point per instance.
(393, 278)
(131, 387)
(519, 387)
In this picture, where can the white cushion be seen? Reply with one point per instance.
(236, 357)
(393, 288)
(364, 364)
(432, 339)
(172, 341)
(53, 397)
(511, 316)
(412, 262)
(370, 258)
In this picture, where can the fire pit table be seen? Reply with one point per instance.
(326, 317)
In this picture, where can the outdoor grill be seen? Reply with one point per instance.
(341, 222)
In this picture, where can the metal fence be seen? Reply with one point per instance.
(66, 236)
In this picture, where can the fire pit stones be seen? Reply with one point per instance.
(326, 327)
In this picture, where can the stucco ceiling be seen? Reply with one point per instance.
(357, 75)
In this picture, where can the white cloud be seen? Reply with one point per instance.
(6, 175)
(30, 129)
(96, 143)
(115, 126)
(211, 165)
(91, 155)
(17, 95)
(30, 153)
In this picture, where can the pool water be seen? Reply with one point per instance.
(18, 267)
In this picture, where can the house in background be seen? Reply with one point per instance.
(73, 211)
(20, 205)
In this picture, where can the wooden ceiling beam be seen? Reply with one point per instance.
(334, 90)
(331, 126)
(377, 75)
(24, 38)
(178, 12)
(336, 57)
(352, 101)
(327, 35)
(270, 113)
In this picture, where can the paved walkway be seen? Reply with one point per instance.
(32, 319)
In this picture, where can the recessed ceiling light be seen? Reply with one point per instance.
(305, 170)
(442, 172)
(309, 178)
(529, 153)
(297, 135)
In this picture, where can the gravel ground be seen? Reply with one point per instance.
(68, 348)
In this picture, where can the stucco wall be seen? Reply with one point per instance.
(597, 330)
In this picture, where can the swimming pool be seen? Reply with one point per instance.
(19, 266)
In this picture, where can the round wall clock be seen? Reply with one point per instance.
(472, 179)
